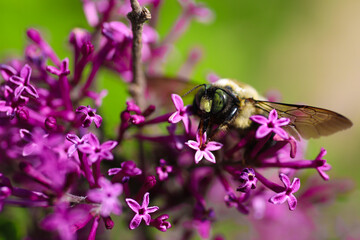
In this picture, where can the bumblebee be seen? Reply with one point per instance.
(226, 104)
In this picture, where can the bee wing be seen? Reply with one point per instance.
(309, 122)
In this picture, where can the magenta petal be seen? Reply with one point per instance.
(283, 121)
(93, 158)
(97, 120)
(209, 156)
(71, 150)
(25, 72)
(259, 119)
(73, 138)
(152, 209)
(16, 80)
(147, 218)
(133, 204)
(82, 109)
(95, 195)
(178, 102)
(108, 145)
(285, 179)
(278, 198)
(281, 132)
(295, 185)
(273, 115)
(198, 156)
(292, 201)
(175, 118)
(146, 199)
(262, 131)
(113, 171)
(107, 155)
(29, 149)
(93, 140)
(213, 146)
(186, 122)
(192, 144)
(135, 222)
(86, 148)
(30, 89)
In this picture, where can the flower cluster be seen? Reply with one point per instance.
(53, 145)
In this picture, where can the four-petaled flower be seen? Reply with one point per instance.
(128, 169)
(247, 180)
(23, 83)
(107, 196)
(288, 193)
(181, 114)
(325, 167)
(203, 149)
(95, 150)
(89, 116)
(141, 212)
(163, 170)
(271, 124)
(76, 142)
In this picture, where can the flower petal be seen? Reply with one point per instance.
(133, 204)
(213, 146)
(259, 119)
(178, 102)
(146, 199)
(278, 198)
(198, 156)
(262, 131)
(273, 115)
(135, 222)
(295, 185)
(152, 209)
(209, 156)
(285, 179)
(192, 144)
(292, 201)
(108, 145)
(175, 118)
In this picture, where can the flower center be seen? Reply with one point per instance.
(141, 211)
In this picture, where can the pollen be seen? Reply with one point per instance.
(205, 104)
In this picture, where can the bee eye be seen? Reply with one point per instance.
(220, 97)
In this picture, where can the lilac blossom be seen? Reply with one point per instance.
(54, 161)
(23, 83)
(247, 180)
(288, 193)
(107, 196)
(95, 151)
(203, 148)
(163, 170)
(89, 116)
(66, 221)
(181, 114)
(271, 124)
(141, 212)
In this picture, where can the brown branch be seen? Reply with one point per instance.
(138, 16)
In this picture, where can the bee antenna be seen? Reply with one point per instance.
(193, 89)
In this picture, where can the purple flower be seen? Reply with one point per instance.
(163, 170)
(247, 179)
(203, 149)
(76, 142)
(181, 114)
(117, 32)
(5, 192)
(65, 221)
(23, 83)
(95, 150)
(128, 169)
(325, 167)
(273, 124)
(141, 212)
(89, 116)
(107, 196)
(161, 223)
(287, 194)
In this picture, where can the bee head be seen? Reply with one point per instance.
(214, 105)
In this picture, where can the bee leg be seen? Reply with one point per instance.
(218, 131)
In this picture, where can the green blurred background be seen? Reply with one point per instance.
(308, 50)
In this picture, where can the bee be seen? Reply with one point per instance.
(226, 104)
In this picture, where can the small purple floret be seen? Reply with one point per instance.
(203, 149)
(182, 112)
(247, 180)
(89, 116)
(271, 124)
(141, 212)
(288, 193)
